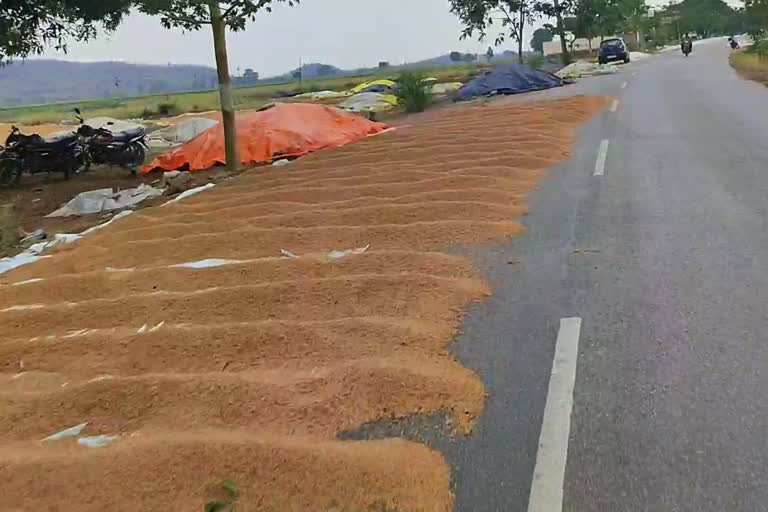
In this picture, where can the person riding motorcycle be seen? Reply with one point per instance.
(686, 44)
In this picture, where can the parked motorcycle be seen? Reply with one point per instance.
(122, 148)
(35, 154)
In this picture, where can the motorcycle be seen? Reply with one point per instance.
(35, 154)
(733, 43)
(687, 47)
(122, 148)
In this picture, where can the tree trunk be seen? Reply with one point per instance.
(225, 85)
(520, 34)
(561, 33)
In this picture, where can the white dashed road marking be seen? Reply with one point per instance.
(614, 105)
(549, 475)
(602, 155)
(624, 85)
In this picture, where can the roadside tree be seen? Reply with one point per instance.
(478, 16)
(220, 15)
(540, 36)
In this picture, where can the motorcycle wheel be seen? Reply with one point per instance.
(10, 173)
(138, 155)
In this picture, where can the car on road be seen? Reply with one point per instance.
(613, 50)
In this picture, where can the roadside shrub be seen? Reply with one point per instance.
(535, 61)
(147, 113)
(167, 108)
(412, 92)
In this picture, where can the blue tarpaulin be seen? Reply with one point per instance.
(508, 79)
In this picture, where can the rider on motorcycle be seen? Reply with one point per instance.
(686, 42)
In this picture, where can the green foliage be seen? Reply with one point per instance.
(167, 109)
(193, 14)
(536, 61)
(227, 505)
(28, 27)
(541, 36)
(412, 92)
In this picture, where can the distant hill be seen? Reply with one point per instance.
(47, 81)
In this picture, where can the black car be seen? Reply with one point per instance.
(613, 50)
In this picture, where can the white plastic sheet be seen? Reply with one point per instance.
(67, 432)
(105, 199)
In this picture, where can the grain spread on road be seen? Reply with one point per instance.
(249, 371)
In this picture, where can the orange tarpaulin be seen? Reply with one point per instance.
(286, 130)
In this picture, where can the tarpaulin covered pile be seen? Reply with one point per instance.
(374, 86)
(369, 102)
(285, 130)
(508, 79)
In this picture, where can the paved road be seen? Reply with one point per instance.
(665, 258)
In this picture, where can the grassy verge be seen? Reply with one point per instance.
(752, 62)
(171, 104)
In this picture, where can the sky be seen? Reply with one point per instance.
(345, 33)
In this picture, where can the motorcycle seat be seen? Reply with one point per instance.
(127, 135)
(60, 138)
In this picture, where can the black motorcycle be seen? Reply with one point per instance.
(35, 154)
(123, 148)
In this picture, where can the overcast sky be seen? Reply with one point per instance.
(345, 33)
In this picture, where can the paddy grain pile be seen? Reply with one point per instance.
(250, 369)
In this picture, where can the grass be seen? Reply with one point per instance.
(245, 98)
(9, 229)
(752, 62)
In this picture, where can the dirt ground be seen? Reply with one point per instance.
(251, 370)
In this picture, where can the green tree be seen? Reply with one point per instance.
(220, 15)
(478, 16)
(28, 27)
(541, 36)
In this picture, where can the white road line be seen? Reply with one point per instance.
(614, 105)
(624, 85)
(549, 475)
(602, 155)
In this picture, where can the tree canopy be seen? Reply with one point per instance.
(541, 36)
(28, 27)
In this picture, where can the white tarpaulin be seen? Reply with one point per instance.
(446, 88)
(185, 130)
(369, 102)
(105, 199)
(322, 95)
(582, 68)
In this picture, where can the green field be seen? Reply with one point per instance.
(172, 104)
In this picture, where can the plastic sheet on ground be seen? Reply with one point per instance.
(208, 263)
(33, 253)
(374, 86)
(286, 130)
(184, 131)
(513, 78)
(446, 88)
(67, 432)
(188, 193)
(322, 95)
(106, 199)
(582, 68)
(370, 102)
(337, 255)
(96, 441)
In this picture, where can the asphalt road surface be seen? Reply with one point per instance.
(664, 257)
